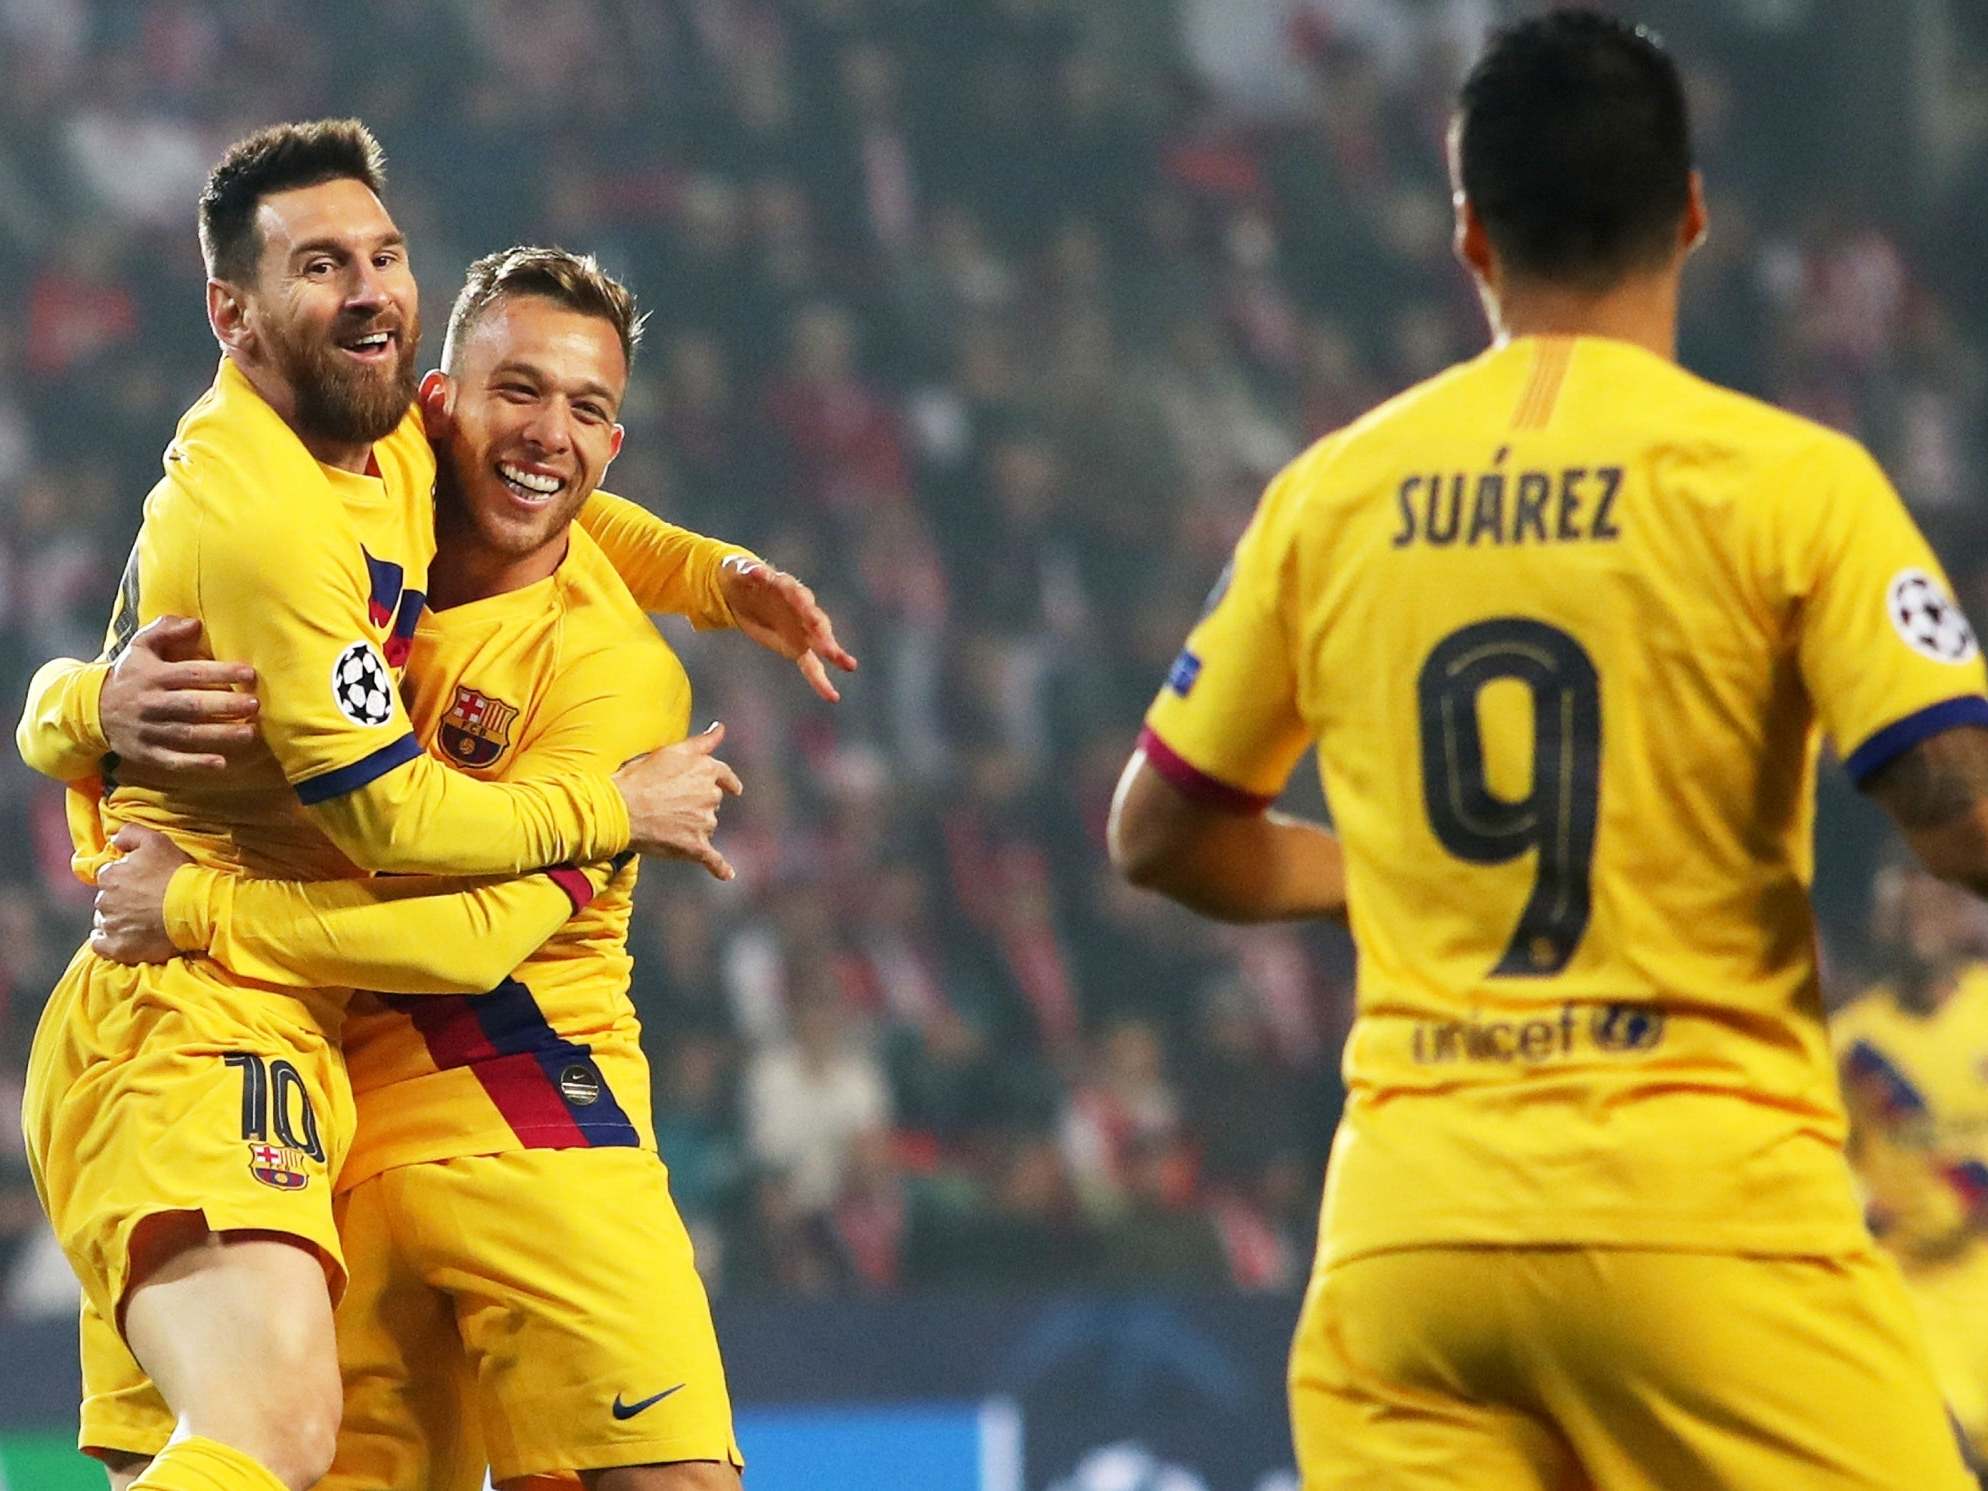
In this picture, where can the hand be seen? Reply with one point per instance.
(673, 796)
(779, 613)
(130, 924)
(167, 709)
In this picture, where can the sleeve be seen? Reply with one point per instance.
(1226, 728)
(667, 569)
(61, 730)
(1885, 652)
(335, 722)
(399, 934)
(442, 934)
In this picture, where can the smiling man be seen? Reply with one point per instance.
(183, 1123)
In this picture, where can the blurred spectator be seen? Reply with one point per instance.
(808, 1098)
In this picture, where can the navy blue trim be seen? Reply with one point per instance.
(1900, 736)
(514, 1024)
(359, 773)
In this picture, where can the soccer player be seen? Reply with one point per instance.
(489, 1124)
(1562, 623)
(1913, 1054)
(295, 524)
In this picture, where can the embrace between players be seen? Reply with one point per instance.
(1571, 785)
(481, 1199)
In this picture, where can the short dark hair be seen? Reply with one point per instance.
(281, 158)
(1575, 148)
(575, 281)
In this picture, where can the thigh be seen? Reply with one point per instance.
(122, 1410)
(167, 1091)
(1719, 1373)
(408, 1419)
(578, 1302)
(1395, 1383)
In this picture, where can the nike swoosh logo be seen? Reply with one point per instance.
(623, 1410)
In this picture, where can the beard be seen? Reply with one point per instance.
(338, 400)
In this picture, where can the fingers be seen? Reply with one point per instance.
(823, 641)
(169, 636)
(709, 741)
(158, 760)
(203, 673)
(199, 708)
(198, 738)
(817, 677)
(131, 837)
(728, 780)
(715, 862)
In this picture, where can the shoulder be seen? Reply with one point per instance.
(1972, 992)
(1771, 439)
(1346, 461)
(405, 457)
(608, 648)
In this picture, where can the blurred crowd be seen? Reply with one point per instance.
(989, 318)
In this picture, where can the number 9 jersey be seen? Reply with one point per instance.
(1566, 625)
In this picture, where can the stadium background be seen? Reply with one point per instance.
(989, 318)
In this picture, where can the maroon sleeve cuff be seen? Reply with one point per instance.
(579, 889)
(1192, 782)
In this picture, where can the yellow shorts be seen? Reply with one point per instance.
(539, 1307)
(1553, 1369)
(172, 1088)
(1952, 1299)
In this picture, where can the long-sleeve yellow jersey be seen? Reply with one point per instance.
(1565, 624)
(456, 1050)
(316, 576)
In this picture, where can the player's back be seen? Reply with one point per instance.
(1556, 620)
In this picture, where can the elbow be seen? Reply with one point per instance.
(1137, 852)
(1957, 852)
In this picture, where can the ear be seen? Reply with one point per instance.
(437, 398)
(1473, 244)
(1696, 218)
(613, 446)
(228, 316)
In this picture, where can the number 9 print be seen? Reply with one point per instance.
(1557, 817)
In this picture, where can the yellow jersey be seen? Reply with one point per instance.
(562, 675)
(316, 577)
(1917, 1089)
(1563, 623)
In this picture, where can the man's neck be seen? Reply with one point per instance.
(1641, 311)
(279, 395)
(465, 570)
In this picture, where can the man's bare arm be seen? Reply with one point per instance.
(1235, 867)
(1937, 793)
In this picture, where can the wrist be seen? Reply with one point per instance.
(191, 908)
(733, 570)
(613, 832)
(90, 706)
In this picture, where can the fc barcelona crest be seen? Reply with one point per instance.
(477, 727)
(281, 1169)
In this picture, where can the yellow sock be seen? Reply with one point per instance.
(205, 1465)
